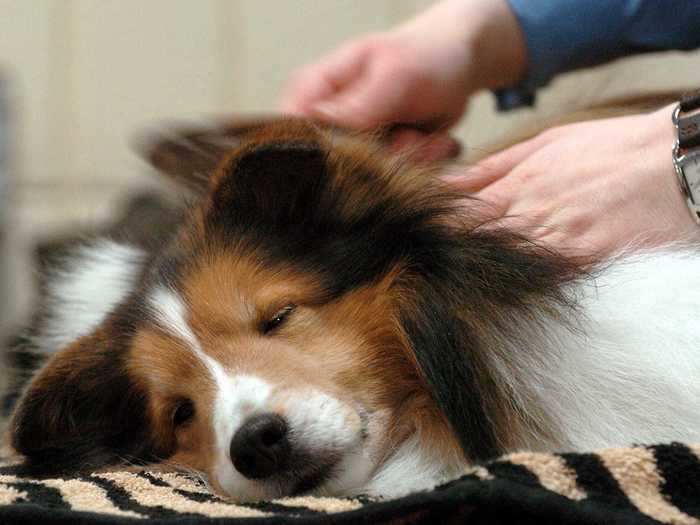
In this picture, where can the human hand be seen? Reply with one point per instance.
(420, 73)
(589, 188)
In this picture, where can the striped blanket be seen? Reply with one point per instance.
(638, 485)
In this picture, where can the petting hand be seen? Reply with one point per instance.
(588, 188)
(419, 74)
(380, 79)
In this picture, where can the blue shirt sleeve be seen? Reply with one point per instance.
(563, 35)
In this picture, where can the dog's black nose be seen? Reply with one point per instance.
(260, 448)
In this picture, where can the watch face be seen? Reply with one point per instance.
(690, 165)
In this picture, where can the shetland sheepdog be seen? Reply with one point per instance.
(328, 319)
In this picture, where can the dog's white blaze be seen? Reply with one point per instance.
(97, 279)
(237, 396)
(171, 314)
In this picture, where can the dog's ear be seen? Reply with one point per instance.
(189, 154)
(276, 186)
(83, 411)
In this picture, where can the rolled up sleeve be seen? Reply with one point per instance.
(564, 35)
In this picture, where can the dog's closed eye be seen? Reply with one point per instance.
(277, 319)
(183, 413)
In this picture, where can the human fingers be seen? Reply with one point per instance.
(372, 100)
(480, 176)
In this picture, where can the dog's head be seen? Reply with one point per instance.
(320, 307)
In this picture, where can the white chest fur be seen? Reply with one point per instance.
(629, 372)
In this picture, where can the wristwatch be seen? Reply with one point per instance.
(686, 150)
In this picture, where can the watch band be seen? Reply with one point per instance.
(686, 150)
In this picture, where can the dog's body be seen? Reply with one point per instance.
(322, 322)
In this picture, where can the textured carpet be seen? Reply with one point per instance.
(638, 485)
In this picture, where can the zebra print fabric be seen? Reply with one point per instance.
(637, 485)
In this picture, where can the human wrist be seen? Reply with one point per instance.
(439, 41)
(496, 44)
(467, 44)
(656, 135)
(665, 133)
